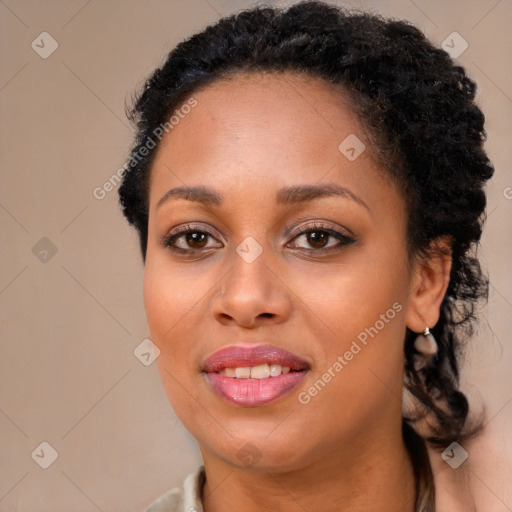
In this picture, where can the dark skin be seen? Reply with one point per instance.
(247, 138)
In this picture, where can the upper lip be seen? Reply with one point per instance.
(236, 356)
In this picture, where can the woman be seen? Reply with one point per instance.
(307, 185)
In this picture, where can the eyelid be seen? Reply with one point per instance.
(319, 225)
(187, 228)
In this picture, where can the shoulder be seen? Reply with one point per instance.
(186, 498)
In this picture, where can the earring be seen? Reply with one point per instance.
(426, 345)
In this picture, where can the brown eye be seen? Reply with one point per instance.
(196, 240)
(320, 239)
(190, 239)
(317, 239)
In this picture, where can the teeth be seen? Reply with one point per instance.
(243, 373)
(275, 370)
(261, 371)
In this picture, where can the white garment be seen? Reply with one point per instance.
(182, 499)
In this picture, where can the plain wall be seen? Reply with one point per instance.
(70, 321)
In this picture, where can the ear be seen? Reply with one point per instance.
(429, 282)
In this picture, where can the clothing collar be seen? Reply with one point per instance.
(192, 490)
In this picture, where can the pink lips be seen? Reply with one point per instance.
(253, 392)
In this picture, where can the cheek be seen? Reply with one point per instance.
(352, 297)
(170, 296)
(171, 300)
(169, 303)
(358, 316)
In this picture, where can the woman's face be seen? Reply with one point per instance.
(276, 241)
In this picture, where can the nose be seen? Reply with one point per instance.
(251, 295)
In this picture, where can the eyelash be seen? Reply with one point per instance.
(344, 239)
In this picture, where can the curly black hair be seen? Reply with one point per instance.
(419, 108)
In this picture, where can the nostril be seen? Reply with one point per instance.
(266, 315)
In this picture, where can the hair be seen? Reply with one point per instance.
(416, 104)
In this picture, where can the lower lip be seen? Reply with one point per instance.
(254, 392)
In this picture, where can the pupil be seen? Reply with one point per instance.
(317, 239)
(196, 240)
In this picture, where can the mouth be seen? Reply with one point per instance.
(254, 376)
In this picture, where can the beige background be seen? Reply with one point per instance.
(70, 323)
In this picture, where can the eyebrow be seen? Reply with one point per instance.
(288, 195)
(197, 194)
(303, 193)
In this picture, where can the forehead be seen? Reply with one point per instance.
(262, 106)
(263, 129)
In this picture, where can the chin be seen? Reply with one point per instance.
(260, 453)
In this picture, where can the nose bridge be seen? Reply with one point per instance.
(251, 289)
(250, 271)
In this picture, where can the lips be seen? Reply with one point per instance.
(252, 376)
(237, 356)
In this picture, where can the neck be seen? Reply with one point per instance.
(374, 474)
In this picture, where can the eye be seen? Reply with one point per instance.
(190, 239)
(317, 238)
(321, 238)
